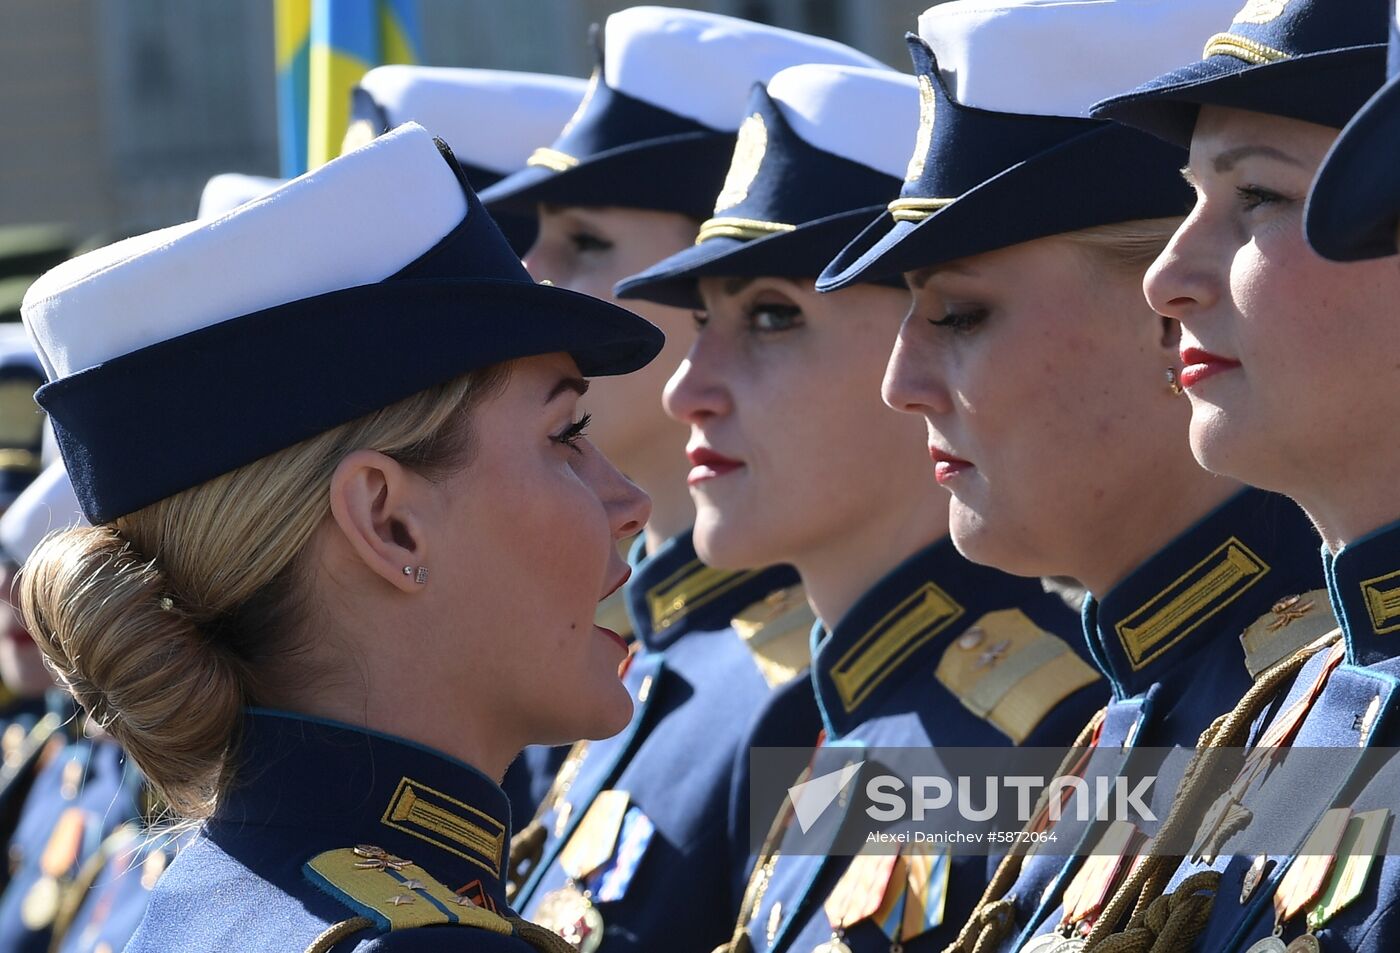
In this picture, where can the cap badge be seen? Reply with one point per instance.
(1261, 11)
(743, 169)
(928, 104)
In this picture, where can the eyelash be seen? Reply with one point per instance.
(789, 315)
(1252, 197)
(573, 433)
(586, 242)
(961, 322)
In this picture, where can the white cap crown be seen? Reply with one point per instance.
(296, 242)
(702, 65)
(1059, 57)
(46, 505)
(865, 115)
(491, 118)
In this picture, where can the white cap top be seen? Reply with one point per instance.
(228, 190)
(865, 115)
(1059, 57)
(46, 505)
(354, 221)
(703, 65)
(491, 118)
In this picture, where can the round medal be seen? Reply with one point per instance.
(1071, 944)
(1270, 944)
(1307, 943)
(833, 945)
(40, 905)
(1043, 944)
(571, 915)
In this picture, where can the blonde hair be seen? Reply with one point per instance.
(1133, 245)
(166, 623)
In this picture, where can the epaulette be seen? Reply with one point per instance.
(390, 893)
(1292, 623)
(1010, 672)
(778, 631)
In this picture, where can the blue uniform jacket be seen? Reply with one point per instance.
(1229, 571)
(81, 795)
(904, 668)
(1359, 707)
(278, 863)
(697, 686)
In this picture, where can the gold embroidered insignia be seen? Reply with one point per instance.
(879, 652)
(1383, 602)
(385, 896)
(749, 149)
(446, 822)
(1260, 11)
(928, 106)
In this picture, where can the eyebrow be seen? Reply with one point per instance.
(917, 279)
(733, 286)
(1227, 160)
(576, 384)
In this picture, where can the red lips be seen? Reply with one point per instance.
(1201, 364)
(706, 464)
(946, 466)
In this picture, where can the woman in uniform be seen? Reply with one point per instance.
(796, 459)
(1052, 404)
(342, 507)
(624, 854)
(1290, 367)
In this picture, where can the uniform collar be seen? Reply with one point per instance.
(1209, 583)
(672, 592)
(366, 788)
(1363, 581)
(900, 625)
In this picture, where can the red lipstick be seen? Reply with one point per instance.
(1200, 364)
(946, 466)
(706, 464)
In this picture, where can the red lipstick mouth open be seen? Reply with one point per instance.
(947, 467)
(706, 464)
(1200, 364)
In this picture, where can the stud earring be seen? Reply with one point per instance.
(421, 577)
(408, 570)
(1174, 382)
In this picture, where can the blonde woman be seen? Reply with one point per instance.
(348, 539)
(1053, 411)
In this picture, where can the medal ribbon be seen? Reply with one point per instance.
(592, 843)
(615, 877)
(1100, 873)
(1358, 853)
(862, 890)
(1306, 877)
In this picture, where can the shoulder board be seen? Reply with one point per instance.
(1292, 623)
(1010, 672)
(395, 894)
(778, 631)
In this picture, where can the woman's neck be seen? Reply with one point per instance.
(1352, 503)
(1148, 524)
(842, 569)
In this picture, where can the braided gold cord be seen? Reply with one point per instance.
(994, 916)
(336, 932)
(1146, 885)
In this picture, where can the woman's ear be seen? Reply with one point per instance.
(373, 500)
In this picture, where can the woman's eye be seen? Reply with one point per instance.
(571, 435)
(1252, 197)
(961, 321)
(586, 242)
(774, 318)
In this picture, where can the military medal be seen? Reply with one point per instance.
(1254, 876)
(1357, 856)
(1304, 882)
(569, 911)
(859, 895)
(40, 905)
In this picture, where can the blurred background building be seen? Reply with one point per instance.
(115, 112)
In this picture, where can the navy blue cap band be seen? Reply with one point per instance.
(623, 152)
